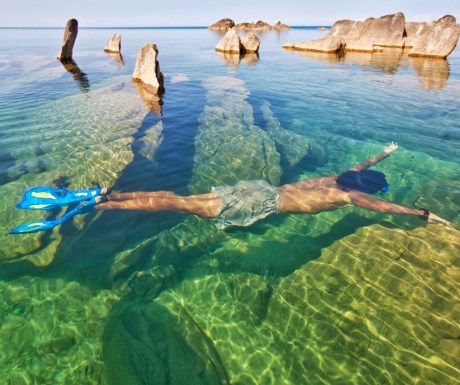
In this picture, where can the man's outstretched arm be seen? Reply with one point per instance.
(371, 203)
(376, 158)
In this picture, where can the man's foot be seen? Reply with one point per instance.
(390, 148)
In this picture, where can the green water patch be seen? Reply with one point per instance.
(380, 305)
(51, 332)
(377, 306)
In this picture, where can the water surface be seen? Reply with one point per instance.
(320, 299)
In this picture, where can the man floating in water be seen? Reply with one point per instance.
(242, 204)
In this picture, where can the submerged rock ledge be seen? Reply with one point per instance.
(434, 39)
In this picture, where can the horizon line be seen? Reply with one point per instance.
(150, 27)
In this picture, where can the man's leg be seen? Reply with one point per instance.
(203, 205)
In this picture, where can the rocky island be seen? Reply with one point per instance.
(226, 24)
(434, 39)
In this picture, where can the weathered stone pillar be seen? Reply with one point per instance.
(147, 70)
(114, 44)
(70, 35)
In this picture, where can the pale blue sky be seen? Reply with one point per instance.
(92, 13)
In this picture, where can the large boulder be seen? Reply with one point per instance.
(147, 70)
(114, 44)
(386, 31)
(230, 43)
(70, 35)
(414, 31)
(222, 25)
(250, 43)
(437, 39)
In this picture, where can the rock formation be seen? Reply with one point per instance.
(230, 43)
(70, 35)
(261, 26)
(327, 44)
(147, 70)
(226, 24)
(281, 27)
(222, 25)
(250, 43)
(114, 44)
(436, 39)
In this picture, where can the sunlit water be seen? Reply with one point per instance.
(118, 297)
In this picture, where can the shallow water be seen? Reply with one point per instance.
(209, 306)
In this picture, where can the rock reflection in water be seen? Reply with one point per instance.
(233, 60)
(117, 58)
(251, 58)
(151, 99)
(432, 72)
(78, 75)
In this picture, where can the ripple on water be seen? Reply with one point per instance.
(79, 140)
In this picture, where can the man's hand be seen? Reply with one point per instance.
(390, 148)
(433, 218)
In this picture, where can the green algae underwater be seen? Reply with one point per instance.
(344, 297)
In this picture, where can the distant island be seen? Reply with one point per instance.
(226, 24)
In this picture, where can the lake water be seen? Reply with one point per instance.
(343, 297)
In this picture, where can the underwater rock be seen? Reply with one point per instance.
(229, 146)
(229, 309)
(117, 112)
(51, 331)
(147, 70)
(250, 43)
(377, 293)
(230, 43)
(114, 44)
(294, 147)
(141, 346)
(437, 39)
(222, 25)
(70, 35)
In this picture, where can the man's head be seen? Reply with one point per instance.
(367, 181)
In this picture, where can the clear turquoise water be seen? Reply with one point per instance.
(281, 116)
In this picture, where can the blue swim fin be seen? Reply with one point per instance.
(33, 227)
(48, 198)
